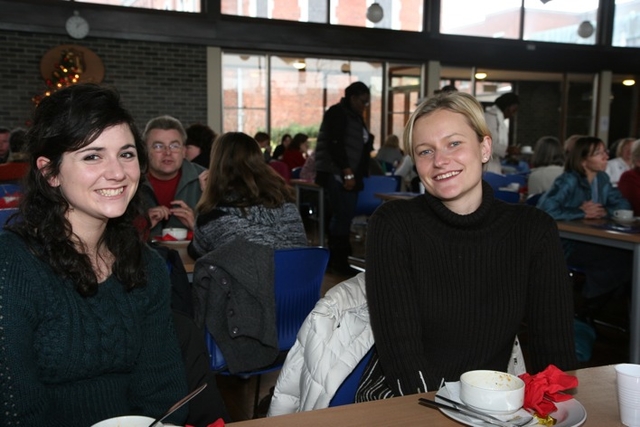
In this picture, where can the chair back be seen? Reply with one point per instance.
(282, 168)
(299, 273)
(507, 196)
(367, 201)
(298, 276)
(295, 172)
(346, 393)
(5, 214)
(495, 180)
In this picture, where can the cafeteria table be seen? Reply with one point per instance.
(596, 392)
(587, 231)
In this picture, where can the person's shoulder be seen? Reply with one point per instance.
(10, 241)
(192, 167)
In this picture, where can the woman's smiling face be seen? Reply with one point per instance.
(449, 159)
(99, 180)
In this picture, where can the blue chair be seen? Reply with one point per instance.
(346, 393)
(5, 214)
(495, 180)
(532, 200)
(298, 276)
(295, 172)
(507, 196)
(367, 201)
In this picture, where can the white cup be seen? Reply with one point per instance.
(628, 386)
(176, 233)
(624, 214)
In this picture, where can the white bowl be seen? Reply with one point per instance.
(492, 391)
(127, 421)
(176, 233)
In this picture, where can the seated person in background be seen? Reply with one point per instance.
(172, 187)
(389, 155)
(467, 269)
(547, 162)
(16, 167)
(87, 332)
(308, 172)
(406, 169)
(4, 144)
(629, 184)
(584, 191)
(264, 141)
(622, 160)
(245, 197)
(296, 153)
(199, 141)
(278, 152)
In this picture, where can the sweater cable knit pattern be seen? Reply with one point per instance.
(66, 360)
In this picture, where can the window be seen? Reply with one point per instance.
(174, 5)
(560, 21)
(626, 23)
(300, 90)
(496, 18)
(396, 14)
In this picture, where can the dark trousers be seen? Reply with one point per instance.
(207, 406)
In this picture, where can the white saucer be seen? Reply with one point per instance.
(629, 221)
(569, 413)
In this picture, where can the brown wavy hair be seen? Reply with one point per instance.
(239, 176)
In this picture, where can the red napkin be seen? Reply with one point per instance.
(170, 238)
(544, 388)
(217, 423)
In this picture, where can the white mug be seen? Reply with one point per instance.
(624, 214)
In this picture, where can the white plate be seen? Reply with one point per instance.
(570, 413)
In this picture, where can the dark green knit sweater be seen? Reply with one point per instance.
(448, 293)
(71, 361)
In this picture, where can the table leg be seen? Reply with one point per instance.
(634, 318)
(321, 217)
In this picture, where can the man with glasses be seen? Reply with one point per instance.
(172, 188)
(342, 160)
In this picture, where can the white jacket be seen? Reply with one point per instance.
(499, 135)
(332, 340)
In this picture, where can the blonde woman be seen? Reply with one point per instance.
(452, 274)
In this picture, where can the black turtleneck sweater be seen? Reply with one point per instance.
(448, 293)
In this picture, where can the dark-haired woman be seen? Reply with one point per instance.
(85, 323)
(296, 153)
(244, 197)
(584, 191)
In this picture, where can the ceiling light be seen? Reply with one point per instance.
(375, 13)
(299, 64)
(628, 82)
(481, 76)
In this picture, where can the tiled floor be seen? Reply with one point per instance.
(611, 346)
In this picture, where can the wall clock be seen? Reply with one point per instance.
(77, 27)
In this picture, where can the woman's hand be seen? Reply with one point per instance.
(202, 178)
(184, 213)
(593, 210)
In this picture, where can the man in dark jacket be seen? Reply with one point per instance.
(342, 161)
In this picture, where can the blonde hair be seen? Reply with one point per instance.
(456, 102)
(635, 151)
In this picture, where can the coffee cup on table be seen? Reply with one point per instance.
(628, 386)
(623, 214)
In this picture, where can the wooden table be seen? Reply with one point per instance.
(301, 185)
(584, 231)
(596, 392)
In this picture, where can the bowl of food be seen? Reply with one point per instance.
(492, 392)
(176, 233)
(127, 421)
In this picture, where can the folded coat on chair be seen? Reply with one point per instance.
(332, 340)
(234, 298)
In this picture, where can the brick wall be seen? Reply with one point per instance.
(153, 78)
